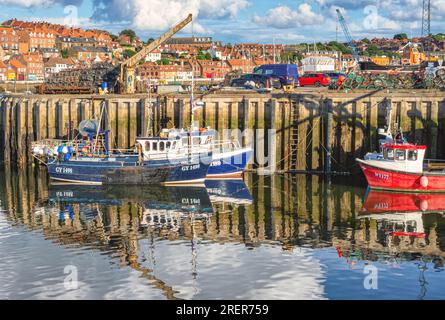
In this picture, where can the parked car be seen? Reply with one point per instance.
(315, 79)
(287, 73)
(256, 81)
(335, 76)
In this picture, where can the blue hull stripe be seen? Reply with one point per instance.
(230, 165)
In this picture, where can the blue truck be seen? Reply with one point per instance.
(287, 73)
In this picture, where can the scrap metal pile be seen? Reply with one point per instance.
(395, 80)
(82, 79)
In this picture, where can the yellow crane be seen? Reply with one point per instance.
(128, 67)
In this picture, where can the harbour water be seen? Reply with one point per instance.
(272, 237)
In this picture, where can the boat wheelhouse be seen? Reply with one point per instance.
(229, 159)
(402, 167)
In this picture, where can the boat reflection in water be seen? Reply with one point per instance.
(399, 227)
(160, 205)
(229, 191)
(401, 214)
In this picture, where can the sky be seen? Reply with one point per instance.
(235, 21)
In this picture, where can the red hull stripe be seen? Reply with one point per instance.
(393, 180)
(405, 146)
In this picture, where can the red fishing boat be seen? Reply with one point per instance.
(401, 166)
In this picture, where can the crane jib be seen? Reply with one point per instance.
(133, 61)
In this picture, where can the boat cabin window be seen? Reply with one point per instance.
(161, 146)
(400, 155)
(196, 141)
(389, 154)
(169, 144)
(155, 146)
(147, 146)
(412, 155)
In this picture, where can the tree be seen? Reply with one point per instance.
(401, 36)
(129, 33)
(201, 55)
(65, 53)
(366, 40)
(439, 37)
(372, 50)
(164, 62)
(150, 40)
(128, 53)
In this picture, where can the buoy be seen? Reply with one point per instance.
(60, 149)
(424, 182)
(424, 205)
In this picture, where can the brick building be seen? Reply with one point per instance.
(212, 69)
(246, 66)
(9, 40)
(34, 66)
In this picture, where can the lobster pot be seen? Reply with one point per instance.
(318, 64)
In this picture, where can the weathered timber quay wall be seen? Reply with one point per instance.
(290, 132)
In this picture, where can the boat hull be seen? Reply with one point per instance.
(383, 179)
(229, 165)
(105, 172)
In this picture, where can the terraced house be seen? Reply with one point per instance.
(9, 40)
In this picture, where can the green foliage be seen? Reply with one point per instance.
(291, 57)
(128, 53)
(439, 37)
(65, 53)
(128, 32)
(150, 40)
(203, 56)
(401, 36)
(164, 62)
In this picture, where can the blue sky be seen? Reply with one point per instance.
(236, 20)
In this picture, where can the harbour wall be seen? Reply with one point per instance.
(312, 131)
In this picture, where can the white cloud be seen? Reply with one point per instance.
(283, 17)
(38, 3)
(157, 15)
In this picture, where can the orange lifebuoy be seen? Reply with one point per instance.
(202, 129)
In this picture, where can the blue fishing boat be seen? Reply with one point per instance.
(88, 159)
(229, 159)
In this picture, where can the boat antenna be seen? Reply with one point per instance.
(149, 108)
(192, 97)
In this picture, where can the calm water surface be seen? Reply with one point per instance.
(278, 237)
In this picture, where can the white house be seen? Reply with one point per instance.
(153, 56)
(55, 65)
